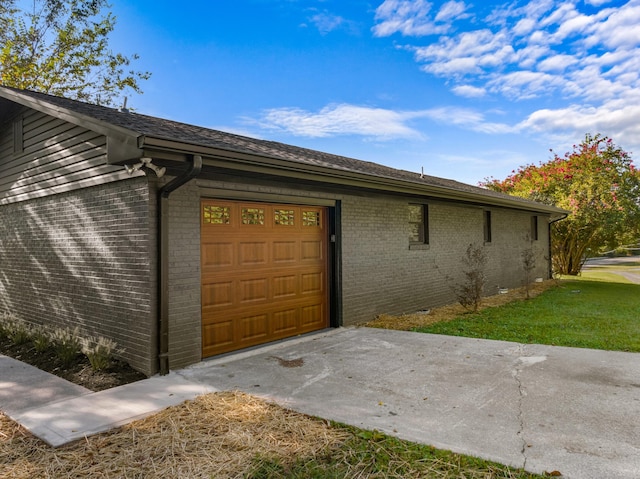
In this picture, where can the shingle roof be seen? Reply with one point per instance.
(149, 126)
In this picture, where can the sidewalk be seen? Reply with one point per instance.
(59, 412)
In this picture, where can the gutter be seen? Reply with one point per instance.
(163, 258)
(243, 161)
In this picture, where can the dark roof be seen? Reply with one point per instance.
(143, 125)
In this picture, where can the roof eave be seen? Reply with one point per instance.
(238, 160)
(122, 143)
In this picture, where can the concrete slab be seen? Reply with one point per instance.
(64, 421)
(539, 407)
(23, 387)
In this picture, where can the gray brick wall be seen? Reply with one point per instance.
(85, 258)
(380, 273)
(185, 328)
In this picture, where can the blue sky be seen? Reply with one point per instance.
(464, 89)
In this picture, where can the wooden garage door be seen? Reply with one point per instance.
(264, 273)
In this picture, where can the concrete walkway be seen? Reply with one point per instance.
(543, 408)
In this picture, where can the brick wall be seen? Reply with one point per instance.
(380, 273)
(85, 258)
(185, 328)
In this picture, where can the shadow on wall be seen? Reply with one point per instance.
(84, 258)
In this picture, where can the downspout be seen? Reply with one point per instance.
(549, 237)
(163, 258)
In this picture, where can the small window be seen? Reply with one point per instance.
(252, 216)
(487, 226)
(216, 215)
(310, 218)
(418, 224)
(534, 228)
(283, 217)
(18, 136)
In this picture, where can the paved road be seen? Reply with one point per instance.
(609, 265)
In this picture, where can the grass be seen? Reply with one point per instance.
(586, 312)
(371, 454)
(233, 435)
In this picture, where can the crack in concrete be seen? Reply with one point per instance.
(516, 374)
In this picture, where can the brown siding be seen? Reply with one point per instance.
(54, 156)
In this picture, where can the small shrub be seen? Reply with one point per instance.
(99, 351)
(40, 338)
(469, 293)
(18, 331)
(5, 321)
(528, 265)
(67, 344)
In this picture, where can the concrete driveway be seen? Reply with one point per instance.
(544, 408)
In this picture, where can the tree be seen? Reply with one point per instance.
(598, 183)
(61, 47)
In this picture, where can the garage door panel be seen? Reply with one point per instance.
(217, 254)
(253, 328)
(312, 315)
(285, 286)
(263, 273)
(284, 251)
(285, 321)
(311, 250)
(220, 334)
(252, 253)
(312, 283)
(252, 290)
(218, 294)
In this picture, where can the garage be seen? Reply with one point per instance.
(264, 273)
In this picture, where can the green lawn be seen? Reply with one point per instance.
(582, 312)
(371, 454)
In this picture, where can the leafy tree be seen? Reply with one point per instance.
(598, 183)
(61, 47)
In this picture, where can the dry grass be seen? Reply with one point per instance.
(407, 322)
(216, 435)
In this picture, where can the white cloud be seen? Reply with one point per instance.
(617, 119)
(467, 53)
(467, 118)
(597, 3)
(413, 17)
(540, 49)
(341, 119)
(326, 23)
(451, 10)
(557, 63)
(378, 123)
(469, 91)
(521, 85)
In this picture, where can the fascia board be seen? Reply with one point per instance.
(242, 161)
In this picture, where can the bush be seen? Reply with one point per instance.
(99, 351)
(469, 293)
(67, 344)
(40, 338)
(18, 331)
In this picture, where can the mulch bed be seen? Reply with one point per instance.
(78, 372)
(407, 322)
(221, 435)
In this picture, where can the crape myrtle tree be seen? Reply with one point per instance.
(61, 47)
(598, 183)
